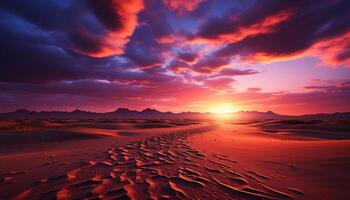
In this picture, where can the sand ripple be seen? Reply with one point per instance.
(161, 167)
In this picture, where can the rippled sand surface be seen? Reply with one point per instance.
(197, 161)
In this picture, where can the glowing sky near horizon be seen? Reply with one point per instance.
(291, 57)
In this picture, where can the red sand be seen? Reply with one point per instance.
(317, 168)
(195, 161)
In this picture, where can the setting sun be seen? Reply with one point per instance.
(223, 109)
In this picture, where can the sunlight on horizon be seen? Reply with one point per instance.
(224, 108)
(223, 111)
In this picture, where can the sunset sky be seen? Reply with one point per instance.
(291, 57)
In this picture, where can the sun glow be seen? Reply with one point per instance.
(223, 111)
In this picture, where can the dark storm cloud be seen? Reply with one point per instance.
(31, 55)
(115, 50)
(236, 19)
(28, 52)
(344, 55)
(177, 66)
(85, 41)
(210, 64)
(53, 37)
(37, 40)
(105, 12)
(145, 47)
(236, 72)
(47, 14)
(155, 16)
(66, 19)
(92, 28)
(306, 24)
(81, 88)
(188, 56)
(107, 95)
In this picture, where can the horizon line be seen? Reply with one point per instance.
(150, 108)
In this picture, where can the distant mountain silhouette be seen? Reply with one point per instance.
(258, 115)
(324, 116)
(122, 113)
(149, 113)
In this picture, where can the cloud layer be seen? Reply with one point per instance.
(172, 54)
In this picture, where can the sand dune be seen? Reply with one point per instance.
(195, 161)
(138, 171)
(307, 129)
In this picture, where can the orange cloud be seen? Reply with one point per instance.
(125, 21)
(182, 6)
(333, 51)
(264, 26)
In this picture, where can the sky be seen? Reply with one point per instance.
(291, 57)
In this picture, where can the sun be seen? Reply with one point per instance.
(223, 109)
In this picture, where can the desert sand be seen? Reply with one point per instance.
(174, 159)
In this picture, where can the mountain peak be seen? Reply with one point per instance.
(124, 111)
(23, 111)
(150, 110)
(78, 111)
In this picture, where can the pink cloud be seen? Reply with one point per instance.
(329, 85)
(182, 6)
(252, 90)
(219, 83)
(332, 51)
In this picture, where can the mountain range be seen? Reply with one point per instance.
(149, 113)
